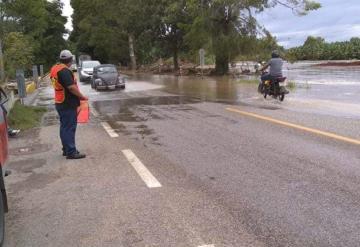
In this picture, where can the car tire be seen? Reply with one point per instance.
(2, 221)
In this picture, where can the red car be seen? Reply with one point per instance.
(3, 158)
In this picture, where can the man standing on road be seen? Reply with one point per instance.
(67, 100)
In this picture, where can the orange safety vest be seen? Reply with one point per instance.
(59, 89)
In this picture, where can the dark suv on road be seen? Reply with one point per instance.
(3, 158)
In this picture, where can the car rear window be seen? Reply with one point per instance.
(90, 64)
(107, 70)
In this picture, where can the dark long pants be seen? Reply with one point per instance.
(68, 124)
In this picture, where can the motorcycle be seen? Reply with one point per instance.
(275, 87)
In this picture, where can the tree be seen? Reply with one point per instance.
(18, 52)
(172, 27)
(228, 22)
(2, 69)
(40, 22)
(136, 31)
(315, 48)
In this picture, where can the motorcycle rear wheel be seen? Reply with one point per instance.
(282, 97)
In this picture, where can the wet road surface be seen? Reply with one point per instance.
(227, 179)
(286, 187)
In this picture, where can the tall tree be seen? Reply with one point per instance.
(228, 21)
(173, 27)
(41, 22)
(18, 52)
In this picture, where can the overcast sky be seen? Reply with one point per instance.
(337, 20)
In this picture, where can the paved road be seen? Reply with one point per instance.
(227, 169)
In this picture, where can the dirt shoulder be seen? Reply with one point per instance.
(338, 64)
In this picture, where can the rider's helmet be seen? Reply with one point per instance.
(275, 54)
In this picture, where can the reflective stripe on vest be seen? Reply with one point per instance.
(59, 89)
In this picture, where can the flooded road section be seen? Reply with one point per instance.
(310, 72)
(131, 116)
(333, 99)
(284, 186)
(280, 185)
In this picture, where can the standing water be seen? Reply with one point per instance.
(320, 89)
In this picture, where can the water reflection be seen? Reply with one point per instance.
(214, 89)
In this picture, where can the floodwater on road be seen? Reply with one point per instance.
(321, 90)
(308, 73)
(338, 95)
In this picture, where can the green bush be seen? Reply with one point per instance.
(25, 117)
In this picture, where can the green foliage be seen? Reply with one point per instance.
(175, 28)
(102, 28)
(18, 52)
(291, 85)
(41, 25)
(229, 28)
(315, 48)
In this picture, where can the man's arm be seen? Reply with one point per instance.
(265, 67)
(75, 91)
(66, 80)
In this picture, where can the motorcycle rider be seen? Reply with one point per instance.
(275, 64)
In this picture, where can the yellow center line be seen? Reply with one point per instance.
(295, 126)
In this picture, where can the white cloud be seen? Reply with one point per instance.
(337, 20)
(68, 11)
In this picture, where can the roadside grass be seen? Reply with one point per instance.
(291, 85)
(25, 117)
(304, 85)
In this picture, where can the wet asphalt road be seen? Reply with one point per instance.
(228, 179)
(285, 187)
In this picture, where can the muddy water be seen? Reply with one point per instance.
(147, 97)
(213, 89)
(306, 72)
(339, 96)
(333, 91)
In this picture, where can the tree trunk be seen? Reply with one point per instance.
(221, 64)
(176, 62)
(2, 69)
(132, 52)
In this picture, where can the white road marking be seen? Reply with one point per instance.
(209, 245)
(143, 172)
(109, 130)
(94, 111)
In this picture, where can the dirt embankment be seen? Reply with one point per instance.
(339, 64)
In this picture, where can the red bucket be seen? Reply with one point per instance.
(83, 112)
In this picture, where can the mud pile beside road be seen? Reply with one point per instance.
(338, 64)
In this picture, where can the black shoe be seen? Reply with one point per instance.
(76, 156)
(64, 154)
